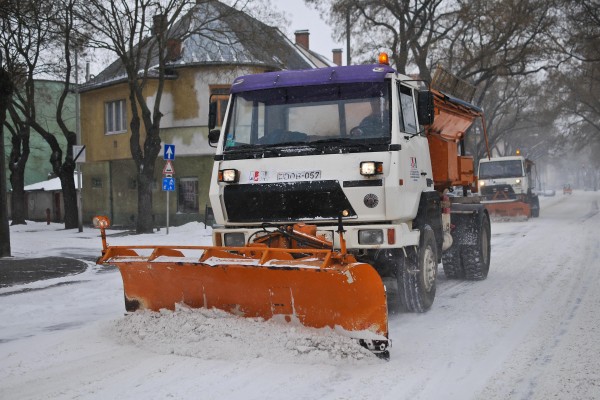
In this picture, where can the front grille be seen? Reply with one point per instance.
(289, 201)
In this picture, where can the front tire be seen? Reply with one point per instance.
(418, 273)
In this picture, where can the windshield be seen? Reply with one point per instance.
(500, 169)
(333, 114)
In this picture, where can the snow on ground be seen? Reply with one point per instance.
(530, 331)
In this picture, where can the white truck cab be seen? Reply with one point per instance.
(508, 179)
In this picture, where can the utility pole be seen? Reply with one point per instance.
(78, 133)
(6, 91)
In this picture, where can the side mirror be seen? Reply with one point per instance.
(213, 137)
(212, 116)
(425, 111)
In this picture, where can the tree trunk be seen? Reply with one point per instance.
(6, 90)
(145, 220)
(17, 181)
(19, 155)
(69, 192)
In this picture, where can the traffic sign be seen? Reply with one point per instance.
(168, 184)
(168, 169)
(169, 152)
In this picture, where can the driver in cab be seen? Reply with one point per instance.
(376, 124)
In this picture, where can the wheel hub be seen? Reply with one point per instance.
(429, 268)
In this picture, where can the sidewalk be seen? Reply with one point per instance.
(14, 271)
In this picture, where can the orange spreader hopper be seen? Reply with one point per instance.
(314, 287)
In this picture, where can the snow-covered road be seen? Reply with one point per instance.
(530, 331)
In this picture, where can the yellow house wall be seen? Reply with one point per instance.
(184, 106)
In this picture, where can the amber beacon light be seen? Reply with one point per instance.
(384, 58)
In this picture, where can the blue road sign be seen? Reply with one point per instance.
(169, 184)
(169, 153)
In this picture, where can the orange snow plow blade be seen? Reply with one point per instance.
(509, 209)
(314, 287)
(501, 205)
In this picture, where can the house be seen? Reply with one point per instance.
(45, 200)
(47, 93)
(201, 67)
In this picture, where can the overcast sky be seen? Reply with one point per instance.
(302, 17)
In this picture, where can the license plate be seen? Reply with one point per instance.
(298, 175)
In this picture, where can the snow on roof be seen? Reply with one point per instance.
(230, 37)
(50, 185)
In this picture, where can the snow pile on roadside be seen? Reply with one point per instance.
(215, 334)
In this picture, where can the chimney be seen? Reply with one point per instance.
(173, 49)
(159, 24)
(302, 38)
(337, 57)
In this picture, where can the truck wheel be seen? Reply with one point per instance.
(476, 257)
(452, 263)
(417, 279)
(535, 207)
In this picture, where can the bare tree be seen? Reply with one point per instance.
(490, 44)
(36, 30)
(409, 29)
(19, 154)
(6, 90)
(138, 32)
(578, 80)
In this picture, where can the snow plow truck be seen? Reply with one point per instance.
(325, 183)
(506, 187)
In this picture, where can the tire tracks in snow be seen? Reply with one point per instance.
(533, 285)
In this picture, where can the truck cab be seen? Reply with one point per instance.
(313, 145)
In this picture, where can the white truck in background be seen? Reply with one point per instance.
(507, 187)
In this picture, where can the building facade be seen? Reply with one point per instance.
(201, 69)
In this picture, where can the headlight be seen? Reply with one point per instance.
(229, 175)
(518, 181)
(370, 236)
(371, 168)
(481, 183)
(235, 239)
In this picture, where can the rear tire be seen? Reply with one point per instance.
(452, 263)
(535, 207)
(476, 257)
(418, 273)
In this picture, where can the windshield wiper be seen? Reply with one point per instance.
(292, 143)
(345, 142)
(248, 148)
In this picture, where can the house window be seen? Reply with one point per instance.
(97, 183)
(115, 117)
(187, 196)
(220, 95)
(133, 183)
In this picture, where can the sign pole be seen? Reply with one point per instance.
(168, 212)
(79, 158)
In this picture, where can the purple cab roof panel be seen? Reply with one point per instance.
(309, 77)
